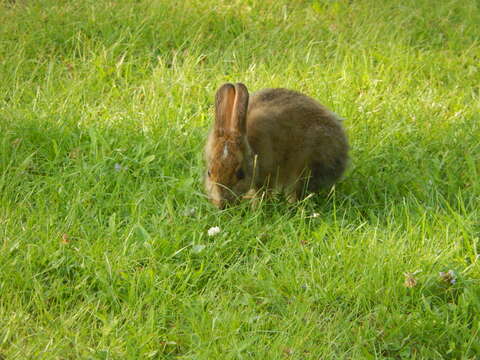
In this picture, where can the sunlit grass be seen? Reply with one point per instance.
(105, 252)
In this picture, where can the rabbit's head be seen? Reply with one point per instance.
(228, 156)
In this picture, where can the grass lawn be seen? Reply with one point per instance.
(104, 250)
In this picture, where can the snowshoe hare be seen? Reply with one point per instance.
(278, 139)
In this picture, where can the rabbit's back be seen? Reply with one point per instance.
(291, 132)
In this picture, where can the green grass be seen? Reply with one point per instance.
(104, 110)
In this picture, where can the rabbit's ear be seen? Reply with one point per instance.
(231, 103)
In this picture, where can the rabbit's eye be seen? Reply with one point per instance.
(240, 174)
(209, 173)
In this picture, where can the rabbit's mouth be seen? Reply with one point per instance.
(218, 203)
(226, 198)
(219, 195)
(222, 203)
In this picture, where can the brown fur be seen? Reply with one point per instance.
(223, 167)
(281, 140)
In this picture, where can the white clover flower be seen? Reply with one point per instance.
(213, 231)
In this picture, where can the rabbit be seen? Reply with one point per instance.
(279, 139)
